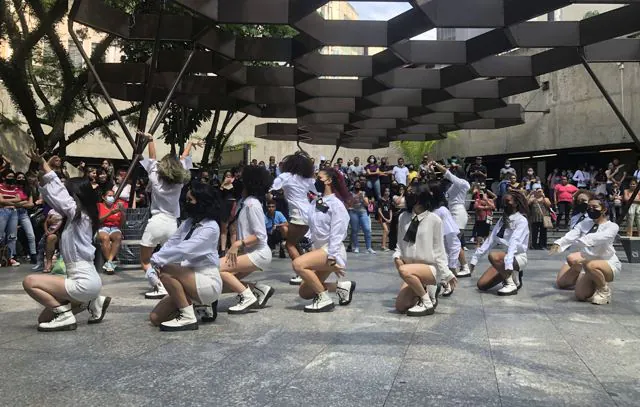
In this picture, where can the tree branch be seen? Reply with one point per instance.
(96, 124)
(238, 123)
(55, 14)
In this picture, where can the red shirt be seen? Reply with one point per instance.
(9, 192)
(114, 220)
(564, 193)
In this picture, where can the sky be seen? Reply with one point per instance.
(386, 11)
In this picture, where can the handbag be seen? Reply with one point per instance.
(546, 221)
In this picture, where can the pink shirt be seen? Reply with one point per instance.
(9, 192)
(564, 193)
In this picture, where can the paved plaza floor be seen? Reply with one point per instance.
(540, 347)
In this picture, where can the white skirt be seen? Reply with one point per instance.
(260, 257)
(159, 229)
(208, 284)
(460, 216)
(83, 282)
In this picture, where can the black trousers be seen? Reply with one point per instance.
(538, 235)
(564, 209)
(274, 238)
(393, 231)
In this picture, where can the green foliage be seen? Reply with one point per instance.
(590, 14)
(413, 151)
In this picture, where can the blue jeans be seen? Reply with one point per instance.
(375, 185)
(27, 226)
(360, 219)
(9, 229)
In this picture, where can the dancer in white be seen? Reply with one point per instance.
(188, 264)
(167, 177)
(512, 231)
(252, 240)
(296, 180)
(328, 223)
(456, 197)
(78, 202)
(450, 232)
(420, 256)
(595, 264)
(580, 205)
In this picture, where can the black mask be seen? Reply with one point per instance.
(411, 200)
(509, 210)
(582, 207)
(10, 181)
(194, 211)
(320, 186)
(594, 213)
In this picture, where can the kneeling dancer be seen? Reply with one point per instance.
(512, 231)
(328, 222)
(188, 264)
(78, 202)
(420, 257)
(595, 264)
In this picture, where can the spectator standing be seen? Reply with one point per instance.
(360, 218)
(636, 172)
(563, 198)
(539, 207)
(227, 207)
(507, 170)
(274, 170)
(385, 215)
(553, 179)
(398, 205)
(634, 209)
(424, 165)
(477, 172)
(373, 176)
(11, 197)
(341, 167)
(401, 173)
(582, 177)
(615, 174)
(484, 207)
(24, 220)
(615, 203)
(413, 174)
(276, 225)
(355, 170)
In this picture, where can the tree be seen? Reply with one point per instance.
(413, 151)
(41, 78)
(590, 14)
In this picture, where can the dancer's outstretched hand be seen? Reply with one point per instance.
(232, 255)
(453, 282)
(34, 156)
(555, 249)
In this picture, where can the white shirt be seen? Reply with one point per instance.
(636, 175)
(355, 170)
(597, 245)
(577, 218)
(165, 197)
(196, 252)
(457, 192)
(251, 222)
(400, 174)
(516, 239)
(449, 225)
(329, 228)
(126, 192)
(428, 247)
(76, 241)
(581, 178)
(295, 190)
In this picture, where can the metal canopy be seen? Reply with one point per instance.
(413, 90)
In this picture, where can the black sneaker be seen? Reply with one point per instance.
(34, 259)
(282, 254)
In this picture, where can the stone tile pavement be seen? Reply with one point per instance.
(537, 348)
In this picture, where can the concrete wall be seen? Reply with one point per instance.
(579, 116)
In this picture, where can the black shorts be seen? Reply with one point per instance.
(482, 228)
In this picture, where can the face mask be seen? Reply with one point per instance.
(530, 172)
(594, 213)
(10, 181)
(371, 161)
(509, 210)
(111, 200)
(320, 186)
(193, 211)
(411, 200)
(357, 188)
(582, 207)
(507, 165)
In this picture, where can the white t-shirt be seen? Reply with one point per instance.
(165, 197)
(400, 174)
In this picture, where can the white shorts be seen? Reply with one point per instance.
(460, 216)
(159, 229)
(296, 218)
(616, 266)
(522, 260)
(343, 251)
(83, 282)
(208, 284)
(260, 257)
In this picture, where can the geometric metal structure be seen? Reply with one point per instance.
(413, 90)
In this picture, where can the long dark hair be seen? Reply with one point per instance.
(208, 201)
(521, 202)
(298, 163)
(86, 199)
(256, 181)
(338, 185)
(438, 197)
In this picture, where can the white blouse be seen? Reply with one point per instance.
(76, 241)
(194, 252)
(329, 228)
(295, 190)
(251, 222)
(516, 239)
(597, 245)
(457, 192)
(577, 218)
(165, 197)
(428, 247)
(449, 226)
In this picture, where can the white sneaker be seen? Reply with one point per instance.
(321, 303)
(262, 292)
(371, 251)
(434, 292)
(158, 293)
(356, 251)
(447, 290)
(602, 296)
(422, 308)
(297, 280)
(98, 308)
(246, 301)
(63, 320)
(465, 271)
(185, 321)
(508, 287)
(345, 290)
(517, 278)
